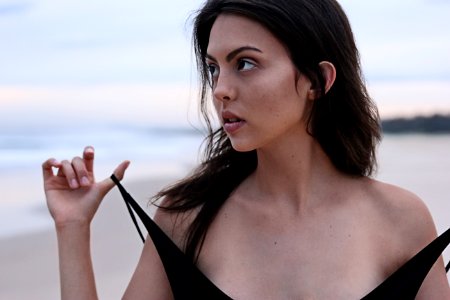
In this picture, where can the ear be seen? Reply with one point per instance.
(328, 73)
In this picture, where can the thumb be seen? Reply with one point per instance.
(107, 184)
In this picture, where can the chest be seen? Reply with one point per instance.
(266, 260)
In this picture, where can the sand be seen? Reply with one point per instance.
(29, 262)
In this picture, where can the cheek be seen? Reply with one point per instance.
(213, 109)
(216, 105)
(280, 98)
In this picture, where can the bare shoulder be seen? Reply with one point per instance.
(406, 215)
(174, 223)
(400, 225)
(149, 280)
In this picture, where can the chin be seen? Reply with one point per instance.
(240, 146)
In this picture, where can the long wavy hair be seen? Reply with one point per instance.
(344, 120)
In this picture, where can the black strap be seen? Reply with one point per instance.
(186, 280)
(406, 281)
(133, 217)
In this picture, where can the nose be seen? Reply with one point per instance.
(224, 88)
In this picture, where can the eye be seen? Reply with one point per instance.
(213, 70)
(245, 65)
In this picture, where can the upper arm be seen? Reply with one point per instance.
(149, 280)
(435, 285)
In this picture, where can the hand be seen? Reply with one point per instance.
(73, 195)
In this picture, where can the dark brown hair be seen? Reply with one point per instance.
(344, 120)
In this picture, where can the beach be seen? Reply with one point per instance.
(28, 258)
(120, 76)
(29, 261)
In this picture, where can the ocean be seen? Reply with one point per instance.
(419, 163)
(153, 151)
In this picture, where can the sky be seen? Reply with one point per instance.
(90, 61)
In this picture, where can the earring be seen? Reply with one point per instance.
(312, 94)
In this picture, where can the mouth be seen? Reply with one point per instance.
(231, 120)
(232, 123)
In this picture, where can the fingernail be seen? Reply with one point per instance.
(85, 181)
(74, 184)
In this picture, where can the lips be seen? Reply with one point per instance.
(228, 116)
(231, 122)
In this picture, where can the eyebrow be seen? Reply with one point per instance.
(235, 52)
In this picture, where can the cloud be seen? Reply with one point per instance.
(168, 61)
(402, 40)
(100, 41)
(14, 8)
(407, 59)
(96, 41)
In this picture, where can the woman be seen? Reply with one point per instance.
(283, 206)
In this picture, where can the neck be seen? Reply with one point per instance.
(299, 175)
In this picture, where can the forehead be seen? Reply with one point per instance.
(231, 31)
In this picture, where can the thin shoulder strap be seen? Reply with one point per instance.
(406, 281)
(186, 280)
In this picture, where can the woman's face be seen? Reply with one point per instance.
(258, 96)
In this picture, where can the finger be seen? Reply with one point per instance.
(60, 172)
(47, 167)
(119, 172)
(88, 157)
(81, 172)
(68, 171)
